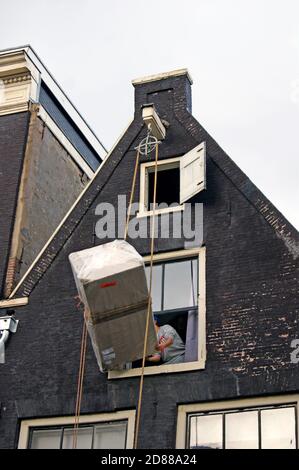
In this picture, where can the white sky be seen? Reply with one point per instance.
(243, 56)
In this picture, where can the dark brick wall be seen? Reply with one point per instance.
(46, 181)
(252, 312)
(13, 134)
(53, 182)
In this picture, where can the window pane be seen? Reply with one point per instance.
(278, 428)
(180, 285)
(84, 438)
(46, 439)
(110, 436)
(206, 432)
(241, 430)
(156, 286)
(194, 277)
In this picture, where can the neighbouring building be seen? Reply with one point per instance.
(228, 285)
(47, 156)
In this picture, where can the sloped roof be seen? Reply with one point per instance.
(282, 228)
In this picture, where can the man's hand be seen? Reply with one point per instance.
(154, 358)
(164, 343)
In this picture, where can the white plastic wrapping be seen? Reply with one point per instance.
(111, 282)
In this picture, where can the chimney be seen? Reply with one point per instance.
(169, 92)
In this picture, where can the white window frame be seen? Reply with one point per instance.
(186, 366)
(129, 415)
(143, 199)
(228, 405)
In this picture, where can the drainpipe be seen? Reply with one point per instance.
(8, 325)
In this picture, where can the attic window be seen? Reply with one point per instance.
(168, 185)
(178, 180)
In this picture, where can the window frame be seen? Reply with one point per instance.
(227, 406)
(185, 366)
(126, 415)
(169, 163)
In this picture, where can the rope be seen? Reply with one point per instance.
(148, 305)
(80, 382)
(84, 331)
(132, 193)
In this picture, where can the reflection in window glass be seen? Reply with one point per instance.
(92, 436)
(241, 430)
(46, 439)
(84, 438)
(206, 432)
(278, 428)
(156, 286)
(112, 436)
(179, 285)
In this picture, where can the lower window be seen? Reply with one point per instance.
(178, 304)
(267, 426)
(108, 431)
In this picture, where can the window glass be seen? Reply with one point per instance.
(266, 428)
(156, 286)
(278, 428)
(241, 430)
(206, 432)
(46, 439)
(112, 436)
(179, 288)
(84, 438)
(97, 436)
(174, 284)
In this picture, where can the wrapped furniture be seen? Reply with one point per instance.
(111, 283)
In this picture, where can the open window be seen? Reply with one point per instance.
(178, 300)
(103, 431)
(255, 423)
(193, 172)
(178, 180)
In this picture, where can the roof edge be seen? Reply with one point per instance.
(162, 76)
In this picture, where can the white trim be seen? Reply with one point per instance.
(143, 196)
(184, 410)
(84, 419)
(14, 109)
(14, 302)
(166, 210)
(177, 254)
(46, 118)
(187, 366)
(162, 76)
(67, 214)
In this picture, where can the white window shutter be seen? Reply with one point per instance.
(193, 172)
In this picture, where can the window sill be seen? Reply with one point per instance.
(153, 370)
(167, 210)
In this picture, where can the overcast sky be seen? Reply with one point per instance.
(243, 56)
